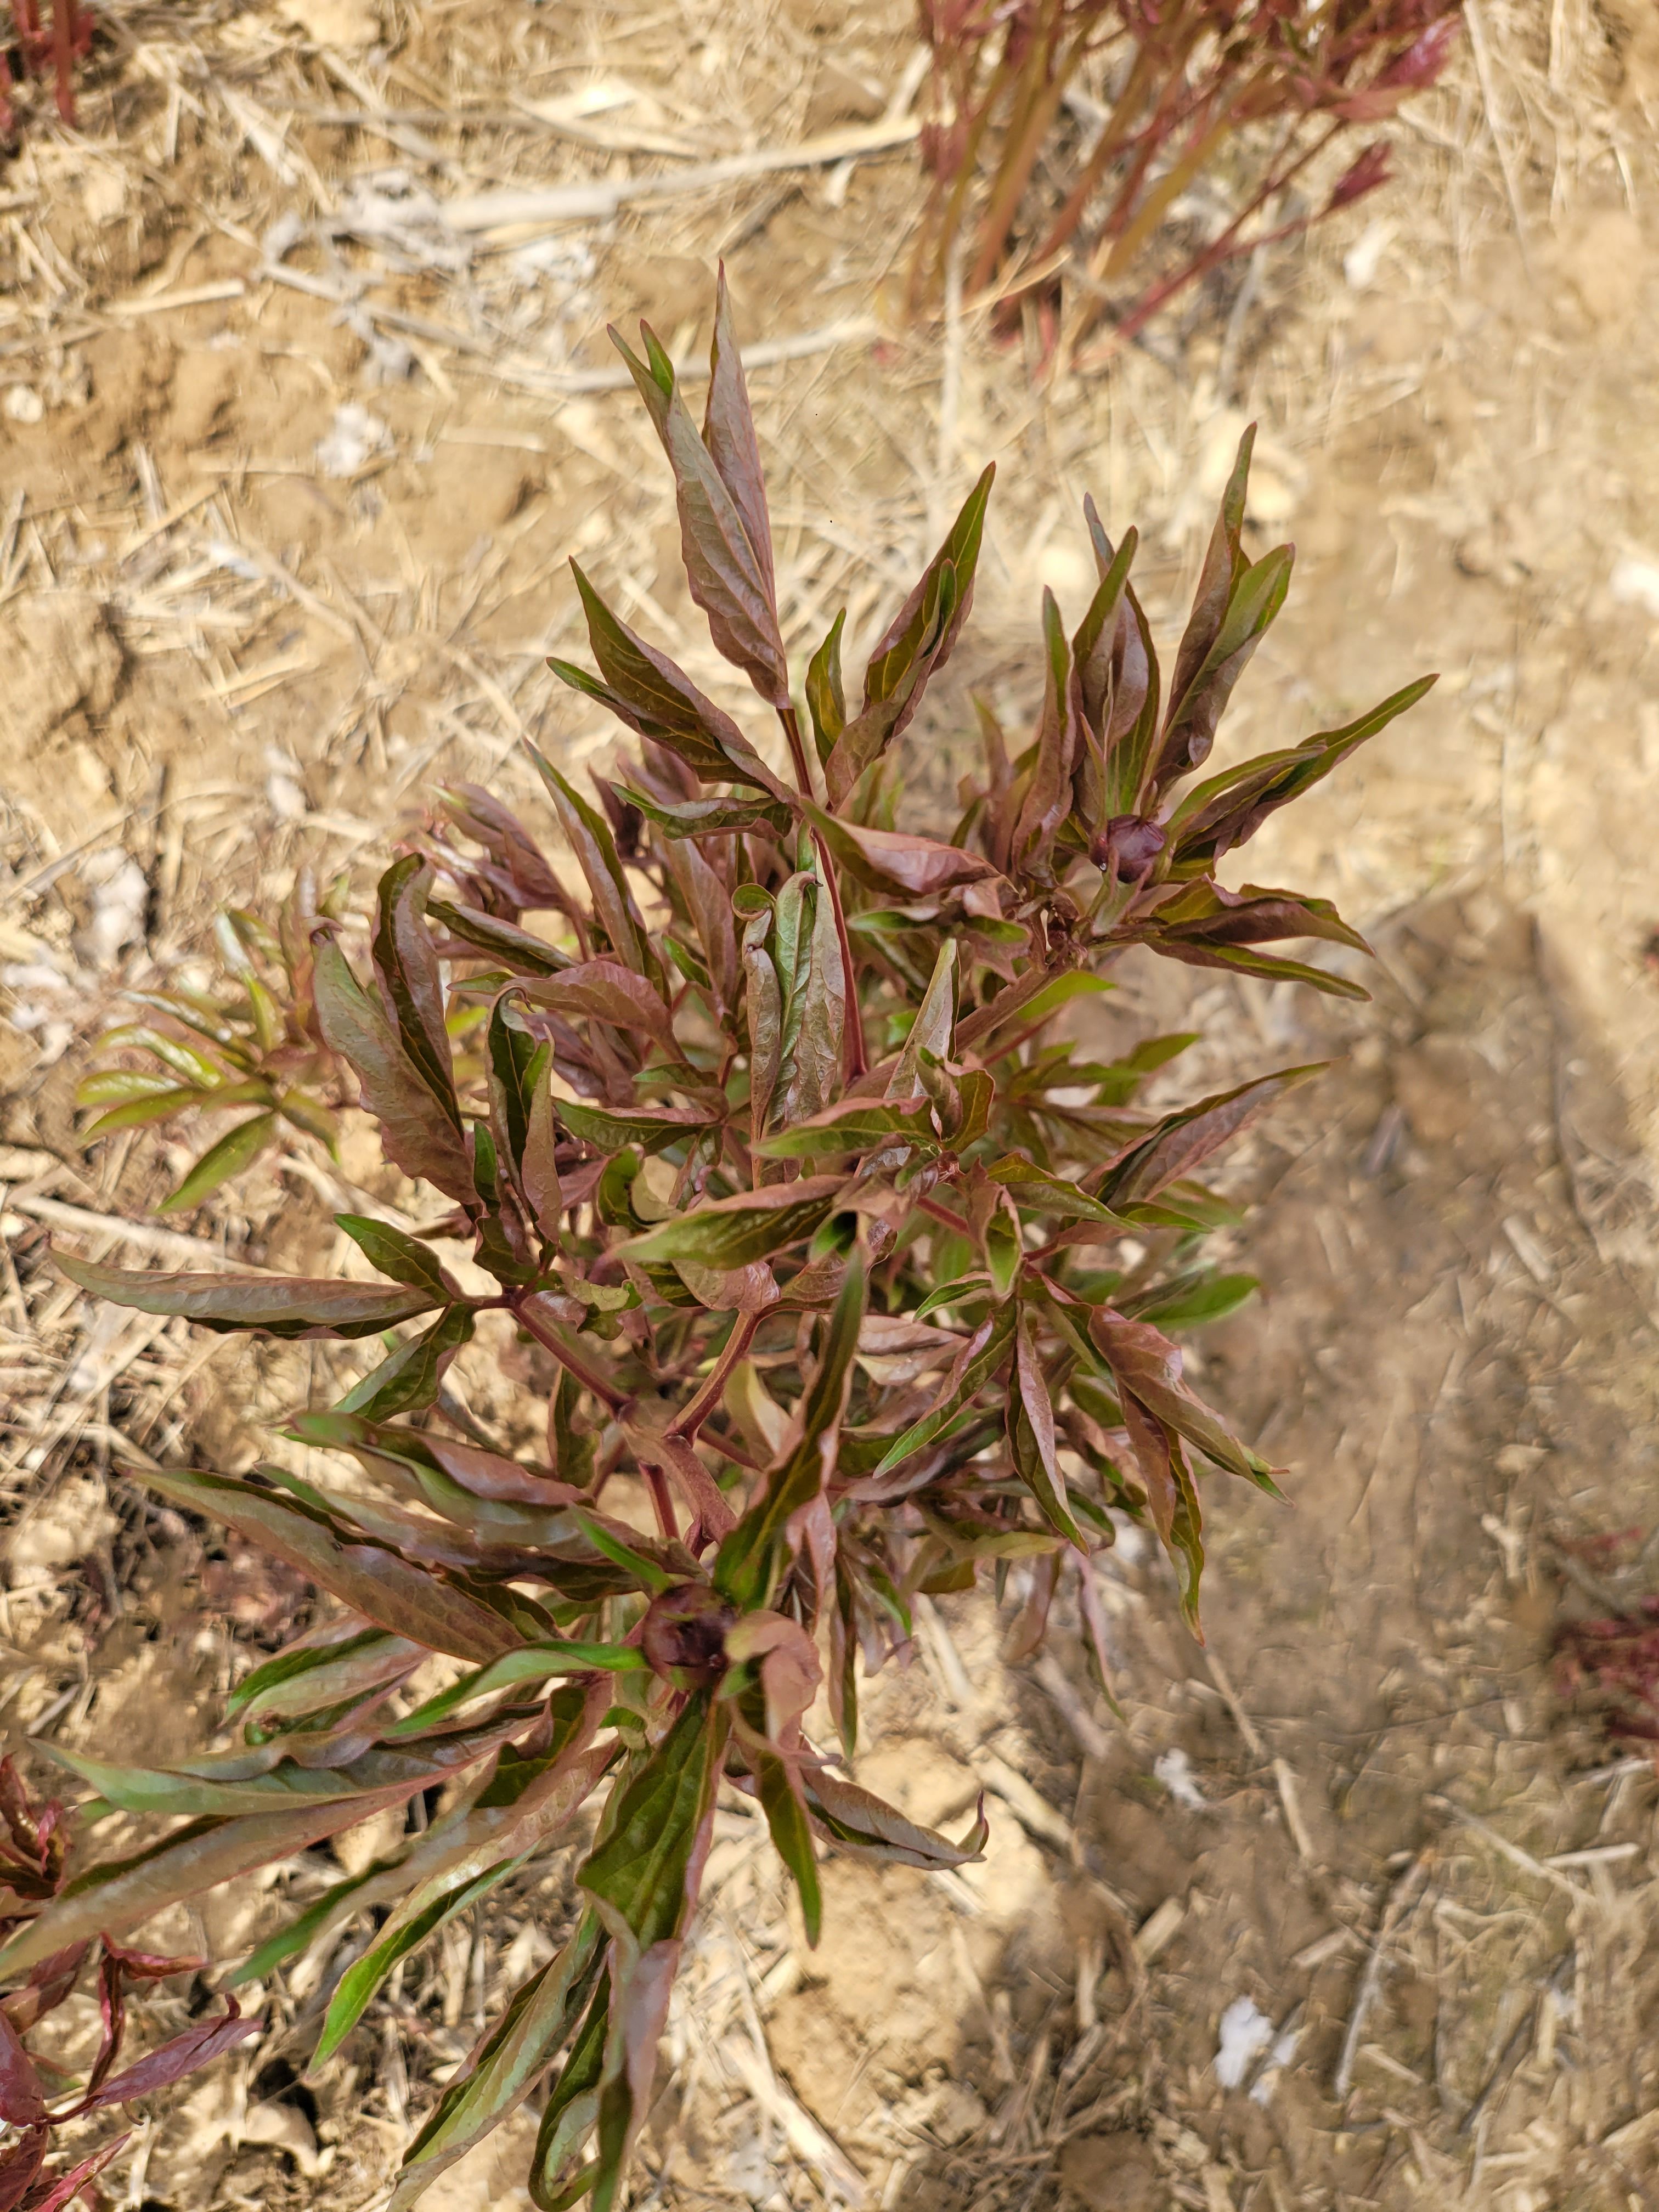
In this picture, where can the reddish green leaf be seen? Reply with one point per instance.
(697, 818)
(607, 1128)
(188, 2053)
(406, 966)
(642, 1875)
(416, 1131)
(506, 2064)
(826, 698)
(281, 1305)
(729, 577)
(1147, 1366)
(932, 1030)
(750, 1226)
(645, 690)
(913, 648)
(505, 940)
(1171, 1498)
(604, 991)
(408, 1380)
(591, 841)
(370, 1580)
(852, 1125)
(1230, 808)
(322, 1672)
(747, 1567)
(866, 1828)
(1183, 1141)
(400, 1256)
(1049, 794)
(22, 2093)
(915, 867)
(977, 1361)
(1031, 1433)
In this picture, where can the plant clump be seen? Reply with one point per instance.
(255, 1044)
(39, 49)
(1253, 92)
(860, 1271)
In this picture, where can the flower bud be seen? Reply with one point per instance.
(1127, 846)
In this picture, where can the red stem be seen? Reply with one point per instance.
(554, 1340)
(692, 1415)
(62, 40)
(657, 1483)
(1223, 247)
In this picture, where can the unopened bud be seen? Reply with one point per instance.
(1127, 846)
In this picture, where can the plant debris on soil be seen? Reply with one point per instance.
(305, 402)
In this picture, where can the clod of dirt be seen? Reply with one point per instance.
(840, 95)
(1111, 2172)
(203, 390)
(920, 1779)
(119, 894)
(348, 23)
(61, 658)
(1439, 1086)
(1604, 263)
(73, 1522)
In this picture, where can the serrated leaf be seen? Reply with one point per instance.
(280, 1305)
